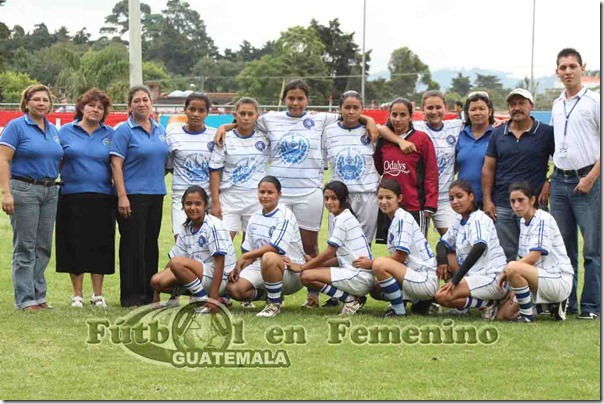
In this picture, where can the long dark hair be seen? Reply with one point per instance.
(271, 180)
(341, 191)
(195, 189)
(405, 102)
(465, 186)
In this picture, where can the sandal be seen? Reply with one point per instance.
(77, 301)
(98, 301)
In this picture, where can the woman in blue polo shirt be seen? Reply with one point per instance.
(30, 154)
(138, 158)
(85, 238)
(474, 139)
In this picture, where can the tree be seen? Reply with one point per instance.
(40, 38)
(487, 82)
(378, 92)
(117, 21)
(81, 37)
(62, 34)
(218, 75)
(12, 85)
(407, 71)
(461, 85)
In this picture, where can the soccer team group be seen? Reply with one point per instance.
(264, 175)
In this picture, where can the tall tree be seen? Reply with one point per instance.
(461, 85)
(488, 82)
(218, 75)
(117, 22)
(407, 71)
(40, 38)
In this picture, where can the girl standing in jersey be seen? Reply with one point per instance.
(271, 239)
(349, 151)
(332, 271)
(470, 251)
(203, 256)
(191, 147)
(86, 214)
(409, 272)
(544, 273)
(296, 158)
(237, 167)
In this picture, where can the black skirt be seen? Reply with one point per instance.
(85, 233)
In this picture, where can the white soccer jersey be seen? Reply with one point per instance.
(405, 235)
(296, 156)
(189, 157)
(350, 154)
(479, 228)
(242, 160)
(542, 234)
(444, 141)
(348, 237)
(202, 245)
(278, 228)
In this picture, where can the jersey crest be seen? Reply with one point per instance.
(350, 164)
(197, 168)
(243, 171)
(294, 148)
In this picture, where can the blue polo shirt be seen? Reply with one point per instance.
(469, 156)
(144, 157)
(37, 153)
(86, 159)
(525, 159)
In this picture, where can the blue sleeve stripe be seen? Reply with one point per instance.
(216, 239)
(219, 253)
(403, 249)
(279, 249)
(541, 250)
(336, 245)
(449, 247)
(540, 234)
(478, 229)
(282, 232)
(481, 241)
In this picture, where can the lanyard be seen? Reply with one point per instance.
(567, 116)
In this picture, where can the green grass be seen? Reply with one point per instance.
(45, 355)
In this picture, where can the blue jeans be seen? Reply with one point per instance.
(33, 223)
(508, 231)
(570, 210)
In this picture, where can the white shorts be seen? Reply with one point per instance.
(365, 206)
(419, 285)
(238, 205)
(308, 209)
(444, 216)
(354, 281)
(178, 215)
(207, 285)
(253, 274)
(552, 288)
(484, 287)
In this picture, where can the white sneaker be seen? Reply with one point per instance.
(77, 301)
(248, 305)
(98, 301)
(203, 310)
(270, 310)
(351, 307)
(195, 299)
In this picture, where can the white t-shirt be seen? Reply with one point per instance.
(243, 160)
(405, 235)
(203, 245)
(278, 228)
(479, 228)
(350, 154)
(296, 156)
(445, 141)
(189, 157)
(348, 237)
(542, 234)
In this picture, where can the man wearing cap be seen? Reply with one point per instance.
(576, 179)
(517, 151)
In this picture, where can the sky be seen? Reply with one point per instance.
(455, 34)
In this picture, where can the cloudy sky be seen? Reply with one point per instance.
(458, 34)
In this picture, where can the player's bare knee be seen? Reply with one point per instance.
(513, 270)
(306, 277)
(379, 267)
(271, 260)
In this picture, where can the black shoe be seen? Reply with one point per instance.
(524, 319)
(391, 313)
(588, 316)
(558, 310)
(331, 302)
(421, 307)
(362, 301)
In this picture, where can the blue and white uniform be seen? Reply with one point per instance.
(203, 245)
(243, 161)
(348, 237)
(445, 141)
(461, 237)
(279, 229)
(404, 235)
(350, 155)
(542, 234)
(189, 159)
(297, 160)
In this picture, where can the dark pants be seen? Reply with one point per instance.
(139, 251)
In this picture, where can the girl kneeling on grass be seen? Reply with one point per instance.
(544, 270)
(410, 270)
(203, 256)
(272, 237)
(332, 271)
(470, 251)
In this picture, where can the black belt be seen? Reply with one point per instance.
(45, 183)
(581, 172)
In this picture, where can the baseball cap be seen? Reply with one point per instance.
(521, 92)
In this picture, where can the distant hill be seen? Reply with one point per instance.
(444, 77)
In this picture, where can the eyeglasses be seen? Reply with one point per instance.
(478, 93)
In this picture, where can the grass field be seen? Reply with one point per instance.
(45, 355)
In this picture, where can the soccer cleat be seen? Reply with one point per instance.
(391, 313)
(558, 310)
(311, 302)
(198, 299)
(98, 301)
(331, 302)
(588, 316)
(270, 310)
(202, 311)
(77, 301)
(523, 319)
(351, 307)
(421, 307)
(490, 312)
(362, 301)
(248, 305)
